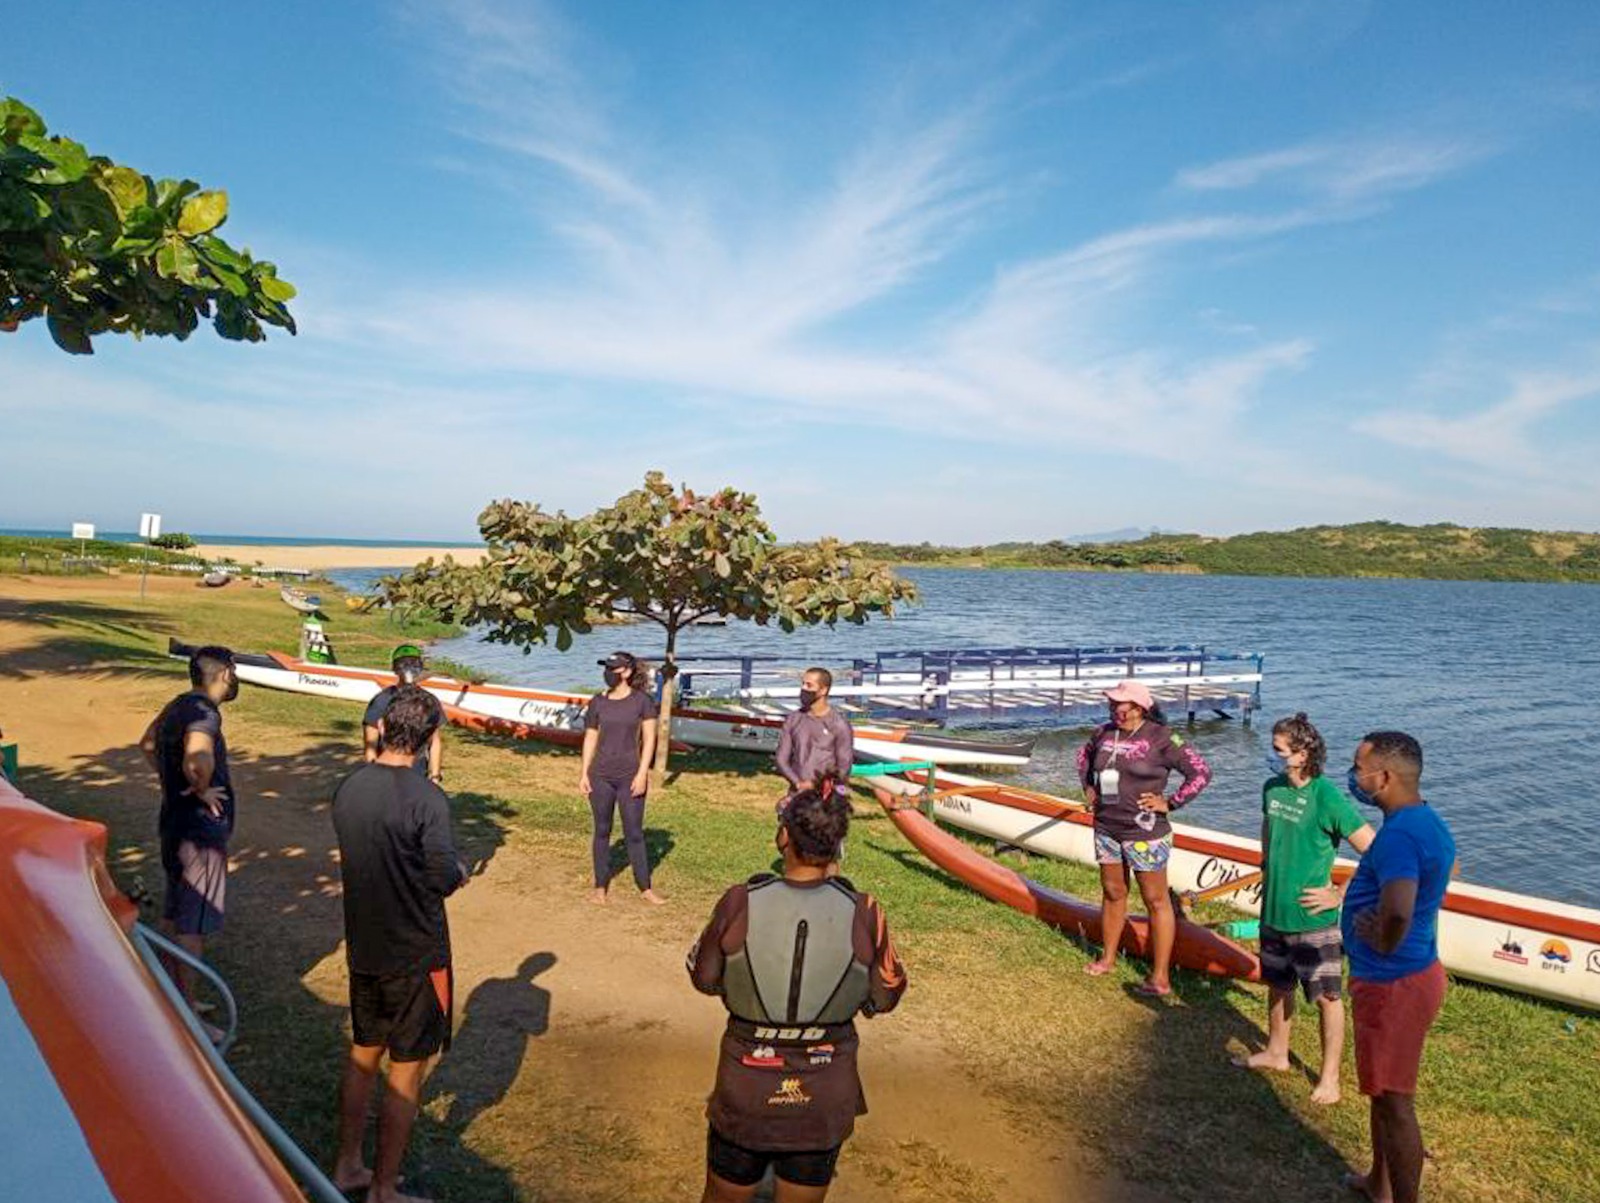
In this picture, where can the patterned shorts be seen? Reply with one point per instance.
(1314, 959)
(1142, 856)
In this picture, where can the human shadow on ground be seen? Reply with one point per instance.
(1187, 1122)
(486, 1053)
(281, 946)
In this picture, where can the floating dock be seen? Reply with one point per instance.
(996, 686)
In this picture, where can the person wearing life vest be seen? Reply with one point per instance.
(794, 958)
(409, 669)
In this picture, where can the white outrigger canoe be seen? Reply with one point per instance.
(556, 716)
(1514, 941)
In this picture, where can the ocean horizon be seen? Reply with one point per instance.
(246, 540)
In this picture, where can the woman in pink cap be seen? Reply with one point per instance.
(1124, 769)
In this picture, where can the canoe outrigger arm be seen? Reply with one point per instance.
(151, 946)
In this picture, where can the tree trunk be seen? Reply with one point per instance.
(669, 695)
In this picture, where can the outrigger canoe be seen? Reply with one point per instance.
(107, 1096)
(1514, 941)
(555, 716)
(1194, 947)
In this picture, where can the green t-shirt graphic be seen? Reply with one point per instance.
(1305, 825)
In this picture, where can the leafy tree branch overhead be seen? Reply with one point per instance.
(660, 552)
(94, 247)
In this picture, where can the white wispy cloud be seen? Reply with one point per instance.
(690, 283)
(1498, 436)
(1343, 171)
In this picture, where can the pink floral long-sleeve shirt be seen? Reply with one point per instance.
(1143, 762)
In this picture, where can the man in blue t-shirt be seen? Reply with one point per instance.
(1390, 928)
(185, 746)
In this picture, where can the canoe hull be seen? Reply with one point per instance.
(1514, 941)
(1194, 948)
(555, 716)
(151, 1113)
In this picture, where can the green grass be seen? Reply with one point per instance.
(1146, 1091)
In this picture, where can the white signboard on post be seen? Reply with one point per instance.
(83, 530)
(149, 526)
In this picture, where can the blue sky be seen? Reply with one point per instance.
(925, 271)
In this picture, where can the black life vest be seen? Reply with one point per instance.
(798, 964)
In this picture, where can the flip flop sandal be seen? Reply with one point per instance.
(1096, 969)
(1152, 991)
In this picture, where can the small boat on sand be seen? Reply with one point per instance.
(298, 599)
(216, 578)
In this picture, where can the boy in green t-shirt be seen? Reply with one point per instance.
(1304, 819)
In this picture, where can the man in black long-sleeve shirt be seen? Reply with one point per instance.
(399, 863)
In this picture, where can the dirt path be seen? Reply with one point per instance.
(582, 1058)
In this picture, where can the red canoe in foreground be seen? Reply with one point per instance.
(107, 1096)
(1196, 947)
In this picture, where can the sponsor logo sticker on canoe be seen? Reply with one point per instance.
(1593, 963)
(1556, 955)
(1511, 950)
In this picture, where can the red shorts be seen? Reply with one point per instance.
(1392, 1021)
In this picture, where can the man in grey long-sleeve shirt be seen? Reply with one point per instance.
(817, 740)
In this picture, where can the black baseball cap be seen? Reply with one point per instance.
(618, 660)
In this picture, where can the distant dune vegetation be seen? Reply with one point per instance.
(1372, 549)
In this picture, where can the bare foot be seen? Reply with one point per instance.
(1263, 1060)
(1099, 968)
(352, 1177)
(599, 897)
(1326, 1094)
(652, 897)
(1361, 1184)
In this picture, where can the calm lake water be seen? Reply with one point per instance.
(1498, 681)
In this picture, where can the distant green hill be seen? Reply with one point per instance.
(1378, 549)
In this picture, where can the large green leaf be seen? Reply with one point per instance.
(17, 118)
(126, 187)
(203, 212)
(177, 261)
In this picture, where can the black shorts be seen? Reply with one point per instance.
(406, 1013)
(746, 1167)
(197, 886)
(1312, 959)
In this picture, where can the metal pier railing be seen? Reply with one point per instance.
(995, 686)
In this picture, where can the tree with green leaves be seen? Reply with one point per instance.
(94, 247)
(666, 554)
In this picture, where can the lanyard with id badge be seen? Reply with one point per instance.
(1108, 778)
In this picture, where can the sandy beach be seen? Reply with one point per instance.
(287, 555)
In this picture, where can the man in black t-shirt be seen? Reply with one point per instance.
(409, 670)
(398, 863)
(184, 744)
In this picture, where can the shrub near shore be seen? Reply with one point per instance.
(1143, 1093)
(1366, 549)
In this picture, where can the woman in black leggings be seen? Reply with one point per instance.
(619, 743)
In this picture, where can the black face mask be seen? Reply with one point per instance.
(808, 698)
(233, 688)
(613, 677)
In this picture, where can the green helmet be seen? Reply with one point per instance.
(407, 663)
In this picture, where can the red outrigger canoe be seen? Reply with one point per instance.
(1195, 947)
(107, 1097)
